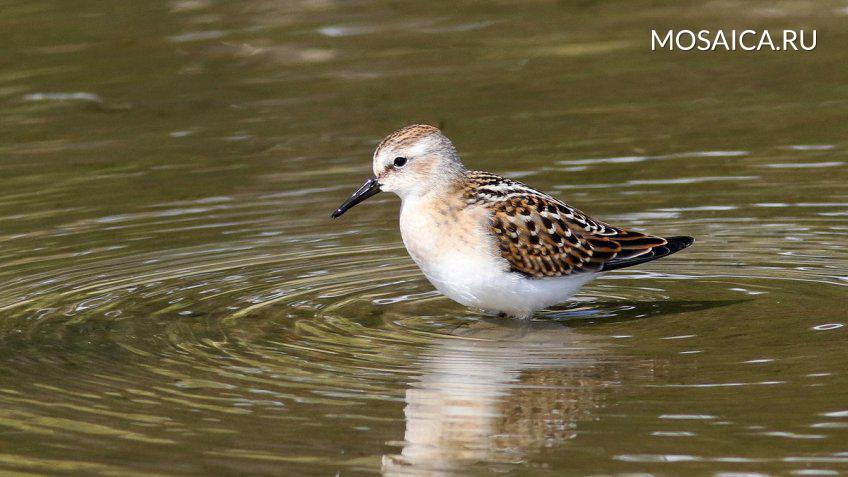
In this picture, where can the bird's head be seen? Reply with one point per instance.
(411, 162)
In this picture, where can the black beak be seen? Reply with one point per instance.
(371, 187)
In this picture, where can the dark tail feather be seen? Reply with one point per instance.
(674, 244)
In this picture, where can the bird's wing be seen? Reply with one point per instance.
(541, 236)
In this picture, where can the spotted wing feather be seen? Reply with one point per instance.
(540, 236)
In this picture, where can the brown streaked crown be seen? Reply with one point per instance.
(407, 136)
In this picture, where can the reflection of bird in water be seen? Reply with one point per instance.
(494, 392)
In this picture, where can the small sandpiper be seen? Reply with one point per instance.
(489, 242)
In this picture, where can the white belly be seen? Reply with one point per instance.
(461, 260)
(483, 287)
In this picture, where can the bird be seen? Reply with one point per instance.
(489, 242)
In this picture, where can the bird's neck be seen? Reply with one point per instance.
(445, 182)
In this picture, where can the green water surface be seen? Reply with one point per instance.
(174, 299)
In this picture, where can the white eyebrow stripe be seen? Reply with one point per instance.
(420, 146)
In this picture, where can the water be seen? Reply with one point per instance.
(175, 300)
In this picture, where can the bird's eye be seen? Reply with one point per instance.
(400, 161)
